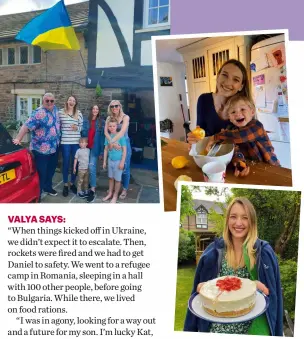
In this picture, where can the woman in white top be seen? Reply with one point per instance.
(71, 121)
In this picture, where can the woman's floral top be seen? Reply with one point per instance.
(45, 128)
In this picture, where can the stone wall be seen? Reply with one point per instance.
(60, 72)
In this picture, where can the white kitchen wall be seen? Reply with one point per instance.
(169, 103)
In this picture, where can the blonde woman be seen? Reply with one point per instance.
(71, 121)
(241, 253)
(115, 111)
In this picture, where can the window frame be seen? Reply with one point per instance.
(30, 98)
(28, 55)
(199, 214)
(14, 48)
(33, 49)
(146, 16)
(2, 54)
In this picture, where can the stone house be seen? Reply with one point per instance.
(200, 224)
(116, 55)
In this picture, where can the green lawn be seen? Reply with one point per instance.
(184, 286)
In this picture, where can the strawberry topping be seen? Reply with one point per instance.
(229, 284)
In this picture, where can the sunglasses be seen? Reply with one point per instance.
(114, 106)
(47, 101)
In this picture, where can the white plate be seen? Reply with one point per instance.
(195, 305)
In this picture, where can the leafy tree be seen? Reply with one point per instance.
(288, 271)
(186, 246)
(278, 217)
(216, 218)
(212, 190)
(187, 204)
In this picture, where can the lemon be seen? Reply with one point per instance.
(204, 152)
(181, 178)
(199, 132)
(179, 162)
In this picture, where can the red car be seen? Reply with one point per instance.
(19, 181)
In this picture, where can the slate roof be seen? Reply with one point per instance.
(11, 24)
(207, 204)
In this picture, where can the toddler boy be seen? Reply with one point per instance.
(248, 134)
(82, 157)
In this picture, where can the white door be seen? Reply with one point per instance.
(216, 57)
(26, 104)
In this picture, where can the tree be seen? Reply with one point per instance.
(187, 204)
(218, 219)
(278, 217)
(290, 225)
(288, 271)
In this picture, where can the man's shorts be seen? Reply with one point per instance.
(113, 170)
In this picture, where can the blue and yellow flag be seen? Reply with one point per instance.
(51, 30)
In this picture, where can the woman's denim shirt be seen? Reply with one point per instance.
(99, 139)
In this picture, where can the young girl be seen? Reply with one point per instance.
(240, 253)
(93, 129)
(71, 121)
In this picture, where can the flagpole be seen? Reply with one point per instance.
(85, 68)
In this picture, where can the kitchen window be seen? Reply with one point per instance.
(23, 55)
(11, 56)
(156, 13)
(26, 104)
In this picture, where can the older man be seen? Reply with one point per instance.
(45, 127)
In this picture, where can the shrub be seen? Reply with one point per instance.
(288, 271)
(186, 246)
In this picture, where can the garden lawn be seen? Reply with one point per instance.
(184, 287)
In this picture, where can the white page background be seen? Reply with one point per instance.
(158, 298)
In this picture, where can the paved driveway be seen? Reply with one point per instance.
(143, 189)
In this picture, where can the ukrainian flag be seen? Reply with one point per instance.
(51, 30)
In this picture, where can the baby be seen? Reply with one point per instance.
(248, 134)
(82, 157)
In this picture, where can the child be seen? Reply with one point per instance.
(116, 161)
(82, 157)
(248, 134)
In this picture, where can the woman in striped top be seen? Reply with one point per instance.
(71, 121)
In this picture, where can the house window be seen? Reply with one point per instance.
(26, 104)
(23, 55)
(11, 56)
(1, 56)
(36, 55)
(202, 220)
(157, 12)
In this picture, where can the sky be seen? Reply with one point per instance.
(19, 6)
(202, 196)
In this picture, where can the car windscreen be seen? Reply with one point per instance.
(6, 144)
